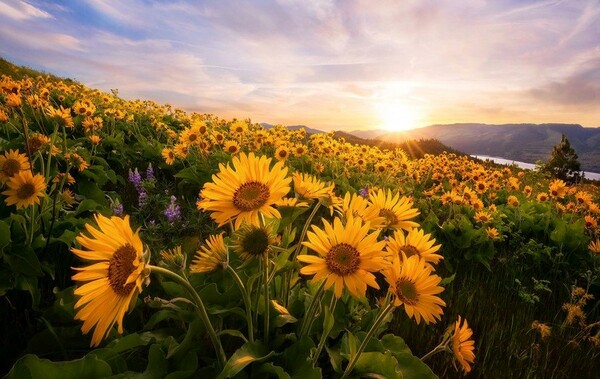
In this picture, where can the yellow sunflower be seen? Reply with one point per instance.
(212, 255)
(310, 187)
(594, 246)
(231, 147)
(25, 189)
(168, 155)
(12, 163)
(357, 206)
(415, 242)
(113, 279)
(413, 285)
(462, 344)
(395, 209)
(247, 190)
(492, 233)
(347, 256)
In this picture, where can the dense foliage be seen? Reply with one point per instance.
(272, 253)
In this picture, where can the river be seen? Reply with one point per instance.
(528, 166)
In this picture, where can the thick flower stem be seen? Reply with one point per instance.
(247, 302)
(326, 329)
(267, 303)
(376, 324)
(439, 348)
(201, 309)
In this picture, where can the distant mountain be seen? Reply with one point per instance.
(294, 127)
(415, 149)
(522, 142)
(368, 134)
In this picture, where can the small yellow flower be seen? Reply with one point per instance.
(462, 344)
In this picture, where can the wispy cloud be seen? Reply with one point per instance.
(326, 63)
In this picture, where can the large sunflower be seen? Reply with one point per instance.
(462, 344)
(415, 242)
(348, 255)
(413, 285)
(243, 192)
(25, 189)
(357, 206)
(11, 163)
(395, 209)
(114, 277)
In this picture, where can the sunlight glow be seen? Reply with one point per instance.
(396, 116)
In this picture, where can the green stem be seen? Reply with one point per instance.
(288, 277)
(266, 311)
(326, 330)
(438, 348)
(375, 326)
(247, 303)
(201, 309)
(308, 317)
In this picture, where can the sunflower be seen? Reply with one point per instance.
(463, 345)
(60, 115)
(415, 242)
(113, 280)
(483, 217)
(395, 209)
(190, 136)
(231, 147)
(348, 255)
(310, 187)
(413, 285)
(95, 139)
(252, 241)
(168, 155)
(25, 189)
(11, 163)
(212, 255)
(282, 153)
(247, 190)
(492, 233)
(513, 201)
(594, 246)
(357, 206)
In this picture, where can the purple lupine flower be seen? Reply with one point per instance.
(118, 209)
(150, 172)
(142, 196)
(364, 192)
(136, 179)
(173, 211)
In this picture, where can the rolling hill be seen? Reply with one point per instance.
(522, 142)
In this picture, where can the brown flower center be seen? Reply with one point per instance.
(11, 166)
(232, 149)
(343, 259)
(192, 137)
(26, 191)
(251, 196)
(390, 216)
(119, 269)
(406, 291)
(283, 153)
(410, 250)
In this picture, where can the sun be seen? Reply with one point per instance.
(397, 116)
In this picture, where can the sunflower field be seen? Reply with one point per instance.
(139, 240)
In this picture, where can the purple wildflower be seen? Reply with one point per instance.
(173, 211)
(118, 209)
(150, 172)
(364, 192)
(142, 196)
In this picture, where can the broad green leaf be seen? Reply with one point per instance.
(413, 367)
(248, 353)
(377, 365)
(270, 370)
(4, 235)
(32, 367)
(394, 344)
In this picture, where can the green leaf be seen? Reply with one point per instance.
(234, 333)
(394, 344)
(91, 191)
(32, 367)
(4, 235)
(248, 353)
(87, 205)
(378, 365)
(269, 369)
(24, 261)
(413, 367)
(157, 363)
(29, 284)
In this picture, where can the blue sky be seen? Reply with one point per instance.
(326, 64)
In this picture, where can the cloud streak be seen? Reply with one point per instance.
(326, 63)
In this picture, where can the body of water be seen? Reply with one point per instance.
(528, 166)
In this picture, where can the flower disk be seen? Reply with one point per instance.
(348, 255)
(111, 282)
(245, 191)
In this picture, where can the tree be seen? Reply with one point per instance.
(563, 163)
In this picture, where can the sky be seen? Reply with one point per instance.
(331, 65)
